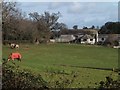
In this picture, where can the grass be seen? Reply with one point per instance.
(64, 61)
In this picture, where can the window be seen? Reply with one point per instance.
(91, 39)
(84, 39)
(102, 39)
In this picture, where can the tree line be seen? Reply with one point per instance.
(110, 28)
(38, 27)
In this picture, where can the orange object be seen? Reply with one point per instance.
(14, 56)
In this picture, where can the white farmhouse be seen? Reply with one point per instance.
(87, 39)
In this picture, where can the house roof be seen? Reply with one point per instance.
(67, 37)
(79, 31)
(108, 35)
(87, 37)
(102, 35)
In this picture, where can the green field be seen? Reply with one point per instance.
(83, 65)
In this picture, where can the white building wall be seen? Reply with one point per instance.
(88, 41)
(97, 37)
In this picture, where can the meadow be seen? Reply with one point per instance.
(77, 65)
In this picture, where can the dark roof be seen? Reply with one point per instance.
(79, 31)
(107, 35)
(110, 36)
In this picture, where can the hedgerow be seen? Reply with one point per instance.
(109, 84)
(15, 78)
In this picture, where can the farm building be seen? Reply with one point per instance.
(83, 39)
(86, 36)
(65, 38)
(109, 38)
(102, 37)
(87, 39)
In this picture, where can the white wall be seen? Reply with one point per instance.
(63, 38)
(52, 40)
(97, 37)
(88, 41)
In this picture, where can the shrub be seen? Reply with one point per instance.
(116, 43)
(109, 84)
(14, 77)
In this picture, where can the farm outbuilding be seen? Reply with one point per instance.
(112, 39)
(65, 38)
(90, 34)
(87, 39)
(102, 37)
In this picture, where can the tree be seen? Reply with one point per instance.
(97, 27)
(16, 27)
(59, 26)
(110, 28)
(44, 24)
(92, 27)
(85, 27)
(27, 30)
(10, 20)
(75, 27)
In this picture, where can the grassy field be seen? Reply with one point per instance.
(80, 65)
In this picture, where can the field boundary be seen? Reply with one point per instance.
(110, 69)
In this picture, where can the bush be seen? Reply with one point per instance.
(100, 43)
(111, 43)
(116, 43)
(109, 84)
(16, 78)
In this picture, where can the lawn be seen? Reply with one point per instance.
(82, 65)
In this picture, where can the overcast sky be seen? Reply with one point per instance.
(77, 13)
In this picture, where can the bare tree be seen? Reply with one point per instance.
(10, 20)
(44, 23)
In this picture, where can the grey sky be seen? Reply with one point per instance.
(76, 13)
